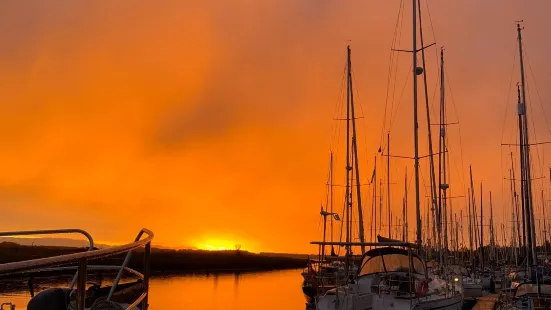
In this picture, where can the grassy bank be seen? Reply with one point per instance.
(165, 260)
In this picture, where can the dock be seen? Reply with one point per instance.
(486, 302)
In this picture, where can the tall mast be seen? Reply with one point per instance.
(374, 181)
(380, 205)
(331, 195)
(521, 242)
(427, 108)
(388, 182)
(416, 127)
(526, 162)
(473, 204)
(481, 233)
(462, 234)
(514, 216)
(348, 166)
(544, 223)
(492, 232)
(355, 154)
(443, 186)
(470, 218)
(525, 231)
(405, 213)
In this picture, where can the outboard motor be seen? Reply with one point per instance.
(50, 299)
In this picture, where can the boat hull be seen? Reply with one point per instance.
(449, 303)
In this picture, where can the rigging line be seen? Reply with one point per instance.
(364, 124)
(396, 70)
(452, 98)
(533, 129)
(338, 128)
(433, 100)
(400, 100)
(335, 128)
(509, 91)
(437, 59)
(430, 22)
(536, 87)
(390, 71)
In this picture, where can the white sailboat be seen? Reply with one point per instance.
(391, 274)
(391, 277)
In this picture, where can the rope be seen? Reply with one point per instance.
(99, 304)
(103, 304)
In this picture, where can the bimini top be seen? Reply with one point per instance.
(390, 259)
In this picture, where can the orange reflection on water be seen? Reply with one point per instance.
(249, 291)
(267, 290)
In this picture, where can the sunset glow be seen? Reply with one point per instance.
(218, 245)
(216, 118)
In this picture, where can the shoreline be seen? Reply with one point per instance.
(167, 261)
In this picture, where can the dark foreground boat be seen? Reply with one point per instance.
(321, 276)
(130, 296)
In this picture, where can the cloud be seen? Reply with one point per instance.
(199, 119)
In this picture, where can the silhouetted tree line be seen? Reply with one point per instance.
(165, 260)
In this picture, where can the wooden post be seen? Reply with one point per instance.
(146, 274)
(81, 286)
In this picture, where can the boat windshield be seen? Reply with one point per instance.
(390, 260)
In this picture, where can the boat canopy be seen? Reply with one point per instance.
(390, 259)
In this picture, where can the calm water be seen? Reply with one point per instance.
(246, 291)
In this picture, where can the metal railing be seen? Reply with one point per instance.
(53, 232)
(82, 259)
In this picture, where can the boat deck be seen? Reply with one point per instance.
(486, 303)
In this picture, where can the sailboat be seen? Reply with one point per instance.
(530, 289)
(394, 274)
(322, 275)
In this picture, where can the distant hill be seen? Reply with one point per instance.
(167, 260)
(290, 255)
(60, 242)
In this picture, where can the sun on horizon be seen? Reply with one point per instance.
(219, 245)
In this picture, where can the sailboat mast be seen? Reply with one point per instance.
(406, 206)
(462, 233)
(514, 215)
(481, 232)
(331, 194)
(492, 233)
(443, 210)
(473, 205)
(544, 223)
(348, 166)
(527, 171)
(521, 242)
(416, 127)
(355, 154)
(437, 239)
(388, 182)
(374, 181)
(380, 205)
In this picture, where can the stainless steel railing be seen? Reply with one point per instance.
(54, 232)
(82, 259)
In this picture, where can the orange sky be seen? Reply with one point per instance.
(210, 121)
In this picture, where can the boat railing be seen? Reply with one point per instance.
(54, 232)
(9, 304)
(82, 259)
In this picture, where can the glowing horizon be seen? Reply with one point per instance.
(211, 122)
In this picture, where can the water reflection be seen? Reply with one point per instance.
(245, 291)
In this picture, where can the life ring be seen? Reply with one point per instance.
(422, 288)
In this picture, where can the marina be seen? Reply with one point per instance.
(294, 155)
